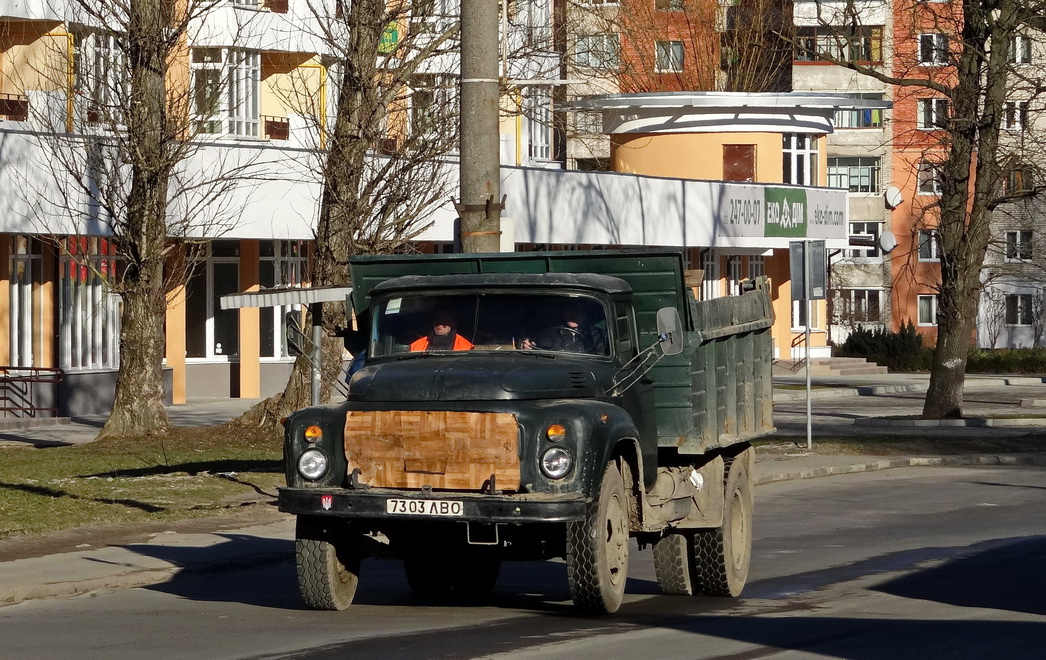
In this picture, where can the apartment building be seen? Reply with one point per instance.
(859, 153)
(257, 82)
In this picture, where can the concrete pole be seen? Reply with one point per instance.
(480, 170)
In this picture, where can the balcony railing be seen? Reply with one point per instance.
(14, 107)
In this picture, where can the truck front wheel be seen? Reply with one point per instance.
(597, 548)
(722, 555)
(328, 557)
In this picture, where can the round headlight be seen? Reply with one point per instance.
(313, 464)
(556, 462)
(556, 432)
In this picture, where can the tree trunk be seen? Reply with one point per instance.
(138, 407)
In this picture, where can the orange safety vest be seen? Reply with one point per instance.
(460, 344)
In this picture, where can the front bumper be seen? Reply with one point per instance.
(371, 504)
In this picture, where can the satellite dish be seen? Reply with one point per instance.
(887, 242)
(893, 198)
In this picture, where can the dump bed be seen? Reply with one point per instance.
(716, 393)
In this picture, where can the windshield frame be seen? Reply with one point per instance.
(485, 333)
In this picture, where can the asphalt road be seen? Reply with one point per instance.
(910, 563)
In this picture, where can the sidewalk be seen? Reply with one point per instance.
(842, 407)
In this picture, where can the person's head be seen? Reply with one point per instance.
(442, 323)
(575, 316)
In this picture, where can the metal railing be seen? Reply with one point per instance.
(18, 391)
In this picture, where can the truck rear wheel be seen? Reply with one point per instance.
(722, 555)
(672, 564)
(597, 548)
(328, 558)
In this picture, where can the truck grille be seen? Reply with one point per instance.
(441, 449)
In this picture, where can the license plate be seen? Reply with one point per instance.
(425, 507)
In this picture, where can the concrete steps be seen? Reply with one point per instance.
(833, 366)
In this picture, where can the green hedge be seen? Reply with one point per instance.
(904, 351)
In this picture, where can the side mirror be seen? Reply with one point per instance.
(670, 331)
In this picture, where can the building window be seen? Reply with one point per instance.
(860, 44)
(929, 179)
(1020, 49)
(858, 305)
(799, 314)
(1018, 179)
(928, 249)
(282, 264)
(669, 5)
(799, 152)
(668, 57)
(933, 49)
(1015, 115)
(927, 310)
(89, 312)
(1018, 309)
(212, 332)
(1018, 245)
(756, 267)
(226, 88)
(856, 174)
(433, 106)
(98, 66)
(734, 274)
(710, 281)
(539, 117)
(598, 51)
(26, 312)
(870, 230)
(860, 117)
(933, 114)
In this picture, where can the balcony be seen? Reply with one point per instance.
(14, 107)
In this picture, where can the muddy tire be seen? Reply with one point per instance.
(722, 556)
(597, 548)
(672, 564)
(328, 559)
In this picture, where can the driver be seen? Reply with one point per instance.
(577, 334)
(443, 337)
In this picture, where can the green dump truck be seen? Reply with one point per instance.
(582, 399)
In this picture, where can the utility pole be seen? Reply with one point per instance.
(480, 204)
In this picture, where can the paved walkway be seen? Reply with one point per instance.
(842, 407)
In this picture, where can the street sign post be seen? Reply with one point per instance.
(809, 273)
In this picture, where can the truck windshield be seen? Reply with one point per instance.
(489, 322)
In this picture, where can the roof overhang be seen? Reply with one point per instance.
(286, 296)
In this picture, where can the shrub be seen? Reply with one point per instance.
(898, 351)
(1006, 361)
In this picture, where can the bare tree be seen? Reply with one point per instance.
(384, 151)
(115, 118)
(959, 53)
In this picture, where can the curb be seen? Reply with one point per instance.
(142, 578)
(886, 464)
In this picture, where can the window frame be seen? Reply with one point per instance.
(1020, 49)
(88, 311)
(665, 60)
(237, 86)
(800, 155)
(860, 118)
(603, 52)
(871, 228)
(1019, 245)
(928, 176)
(539, 123)
(1018, 310)
(928, 251)
(932, 114)
(813, 42)
(855, 305)
(936, 45)
(835, 167)
(1015, 115)
(931, 299)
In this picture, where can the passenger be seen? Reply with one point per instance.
(444, 336)
(577, 334)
